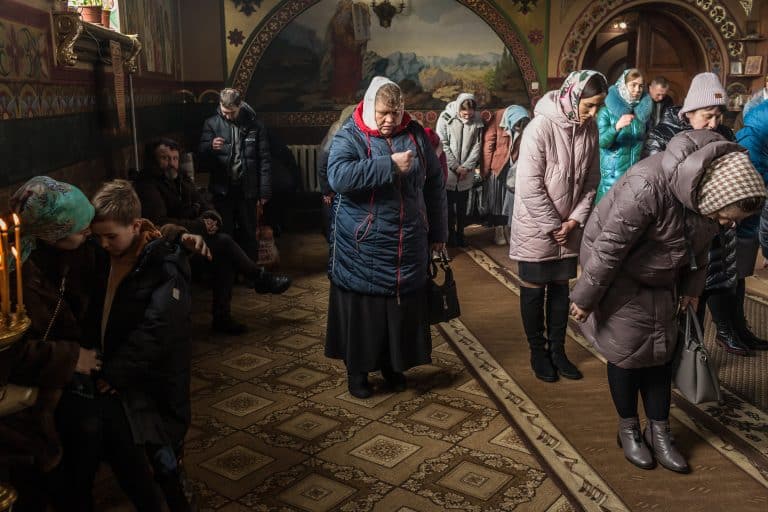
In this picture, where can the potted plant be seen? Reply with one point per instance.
(106, 11)
(90, 10)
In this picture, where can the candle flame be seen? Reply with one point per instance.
(16, 220)
(3, 225)
(13, 250)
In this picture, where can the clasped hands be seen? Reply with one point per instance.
(561, 235)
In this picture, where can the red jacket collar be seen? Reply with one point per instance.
(358, 117)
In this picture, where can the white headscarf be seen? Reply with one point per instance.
(369, 100)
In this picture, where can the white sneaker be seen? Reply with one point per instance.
(499, 238)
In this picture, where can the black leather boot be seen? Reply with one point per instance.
(532, 312)
(564, 367)
(746, 335)
(728, 338)
(395, 380)
(267, 282)
(557, 323)
(358, 385)
(657, 435)
(631, 440)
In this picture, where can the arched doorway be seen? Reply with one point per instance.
(657, 43)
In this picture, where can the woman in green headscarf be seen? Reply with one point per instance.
(55, 219)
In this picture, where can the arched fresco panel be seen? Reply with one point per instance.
(581, 33)
(321, 57)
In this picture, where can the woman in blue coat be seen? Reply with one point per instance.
(389, 210)
(623, 125)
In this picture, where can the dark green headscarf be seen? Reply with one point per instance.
(49, 210)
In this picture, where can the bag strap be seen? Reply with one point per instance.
(62, 289)
(692, 323)
(443, 260)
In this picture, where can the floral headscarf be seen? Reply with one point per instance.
(621, 87)
(49, 210)
(570, 92)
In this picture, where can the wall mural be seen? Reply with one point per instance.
(155, 22)
(324, 59)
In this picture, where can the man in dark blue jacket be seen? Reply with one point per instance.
(235, 148)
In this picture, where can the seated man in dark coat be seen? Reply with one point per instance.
(169, 196)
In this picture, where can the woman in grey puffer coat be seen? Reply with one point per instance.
(643, 257)
(460, 127)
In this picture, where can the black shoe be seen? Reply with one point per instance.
(395, 380)
(358, 385)
(542, 366)
(727, 338)
(268, 282)
(228, 325)
(560, 361)
(751, 341)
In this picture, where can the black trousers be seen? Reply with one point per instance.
(457, 212)
(228, 260)
(238, 215)
(92, 430)
(653, 383)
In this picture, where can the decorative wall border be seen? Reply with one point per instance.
(593, 16)
(278, 19)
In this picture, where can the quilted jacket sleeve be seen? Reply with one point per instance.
(628, 219)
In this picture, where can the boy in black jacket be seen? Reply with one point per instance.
(142, 323)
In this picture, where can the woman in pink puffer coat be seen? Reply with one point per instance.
(557, 175)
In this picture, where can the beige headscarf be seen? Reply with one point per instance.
(727, 180)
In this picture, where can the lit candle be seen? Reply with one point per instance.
(6, 289)
(17, 254)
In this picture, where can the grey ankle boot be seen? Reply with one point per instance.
(630, 439)
(658, 436)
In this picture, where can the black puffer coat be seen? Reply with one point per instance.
(671, 125)
(254, 151)
(722, 273)
(146, 342)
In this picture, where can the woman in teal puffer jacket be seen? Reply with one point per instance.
(623, 125)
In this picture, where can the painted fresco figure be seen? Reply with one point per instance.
(347, 38)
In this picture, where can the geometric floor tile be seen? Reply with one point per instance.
(302, 377)
(316, 493)
(293, 291)
(385, 451)
(308, 425)
(294, 314)
(246, 362)
(444, 348)
(439, 416)
(508, 438)
(474, 480)
(473, 387)
(242, 404)
(370, 403)
(297, 342)
(237, 462)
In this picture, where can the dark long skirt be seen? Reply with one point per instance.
(543, 272)
(495, 194)
(369, 332)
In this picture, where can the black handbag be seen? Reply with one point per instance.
(442, 299)
(695, 373)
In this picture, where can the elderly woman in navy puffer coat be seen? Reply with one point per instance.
(389, 211)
